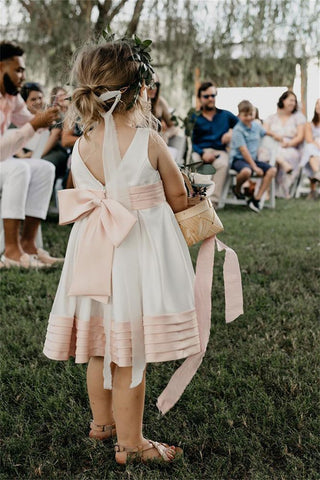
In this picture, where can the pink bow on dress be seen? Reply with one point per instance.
(107, 225)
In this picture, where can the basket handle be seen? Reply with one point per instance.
(188, 184)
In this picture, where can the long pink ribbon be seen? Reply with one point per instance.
(203, 286)
(108, 224)
(232, 283)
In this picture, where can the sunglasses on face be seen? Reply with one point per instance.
(212, 95)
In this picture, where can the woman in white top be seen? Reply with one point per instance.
(287, 127)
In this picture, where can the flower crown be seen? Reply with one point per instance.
(141, 55)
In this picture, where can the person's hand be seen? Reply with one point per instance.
(22, 154)
(226, 137)
(208, 157)
(45, 119)
(285, 144)
(164, 126)
(258, 171)
(276, 137)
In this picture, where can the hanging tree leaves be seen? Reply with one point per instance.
(53, 29)
(252, 43)
(234, 42)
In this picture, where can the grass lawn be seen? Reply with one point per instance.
(251, 412)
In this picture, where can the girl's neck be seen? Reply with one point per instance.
(123, 120)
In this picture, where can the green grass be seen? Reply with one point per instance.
(251, 412)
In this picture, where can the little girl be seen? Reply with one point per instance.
(126, 293)
(125, 296)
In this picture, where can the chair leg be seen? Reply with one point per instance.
(297, 189)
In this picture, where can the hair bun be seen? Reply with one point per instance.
(87, 103)
(85, 89)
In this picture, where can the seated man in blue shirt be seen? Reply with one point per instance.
(211, 134)
(244, 149)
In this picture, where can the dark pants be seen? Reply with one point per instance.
(59, 157)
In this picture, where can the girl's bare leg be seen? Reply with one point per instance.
(128, 407)
(100, 399)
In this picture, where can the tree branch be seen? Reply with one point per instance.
(116, 9)
(28, 5)
(86, 8)
(106, 14)
(133, 24)
(102, 20)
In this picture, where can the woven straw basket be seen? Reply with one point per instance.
(199, 221)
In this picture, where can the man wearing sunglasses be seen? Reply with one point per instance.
(211, 134)
(25, 184)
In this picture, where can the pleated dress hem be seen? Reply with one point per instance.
(166, 337)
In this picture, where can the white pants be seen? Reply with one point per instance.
(25, 187)
(221, 164)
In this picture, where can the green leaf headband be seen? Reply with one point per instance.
(141, 55)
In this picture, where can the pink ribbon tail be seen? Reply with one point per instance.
(232, 283)
(203, 286)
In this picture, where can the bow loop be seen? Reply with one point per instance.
(108, 224)
(117, 220)
(75, 203)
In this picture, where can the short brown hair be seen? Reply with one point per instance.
(245, 107)
(204, 86)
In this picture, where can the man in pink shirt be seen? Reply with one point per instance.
(25, 184)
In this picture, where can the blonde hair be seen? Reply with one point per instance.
(101, 68)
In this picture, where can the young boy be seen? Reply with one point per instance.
(245, 142)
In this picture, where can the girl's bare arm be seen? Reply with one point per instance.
(171, 177)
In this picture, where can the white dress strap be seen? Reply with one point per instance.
(143, 139)
(141, 146)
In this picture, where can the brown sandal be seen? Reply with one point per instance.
(164, 452)
(102, 432)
